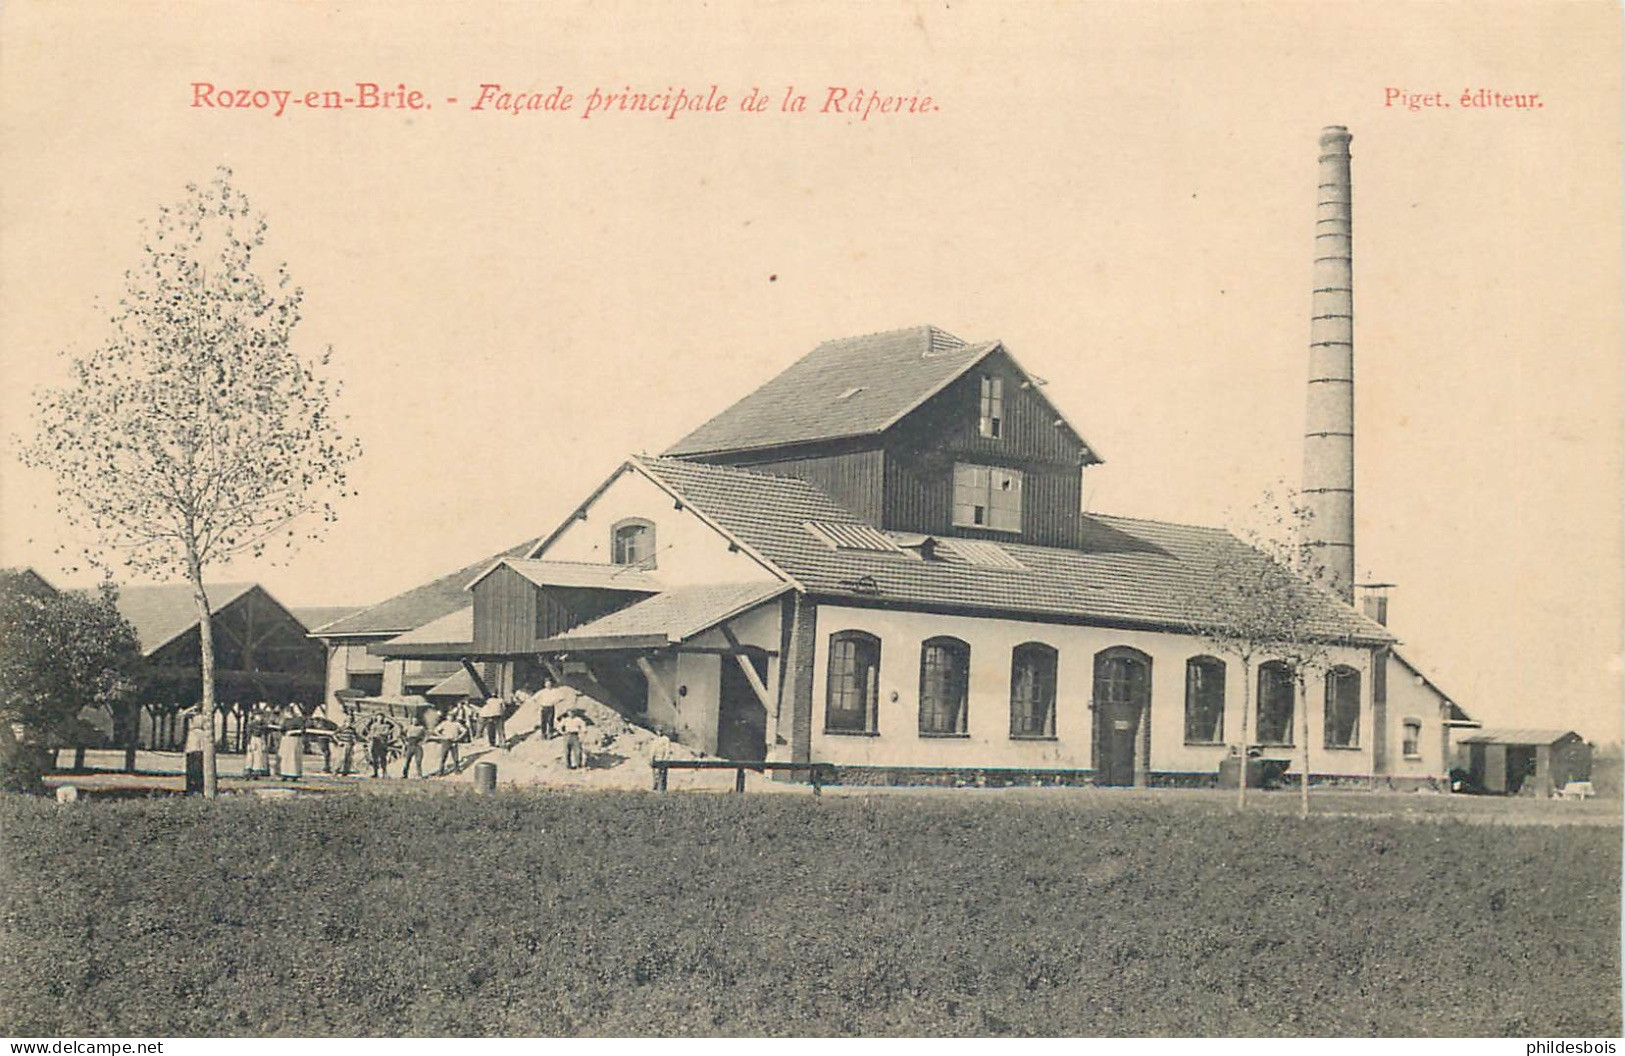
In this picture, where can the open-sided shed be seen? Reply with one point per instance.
(1510, 761)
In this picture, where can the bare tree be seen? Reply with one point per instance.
(1264, 600)
(195, 432)
(1304, 639)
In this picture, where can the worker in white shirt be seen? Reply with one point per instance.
(449, 732)
(573, 725)
(492, 715)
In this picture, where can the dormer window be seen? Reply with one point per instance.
(987, 497)
(632, 542)
(992, 419)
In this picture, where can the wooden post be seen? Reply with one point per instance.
(747, 668)
(656, 684)
(1301, 676)
(473, 673)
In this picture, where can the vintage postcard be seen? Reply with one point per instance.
(789, 519)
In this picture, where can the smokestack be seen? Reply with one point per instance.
(1328, 442)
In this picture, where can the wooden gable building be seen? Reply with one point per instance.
(262, 653)
(913, 431)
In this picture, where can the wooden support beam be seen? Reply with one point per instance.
(479, 683)
(755, 681)
(669, 696)
(723, 650)
(745, 666)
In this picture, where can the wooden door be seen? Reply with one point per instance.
(1122, 695)
(1120, 729)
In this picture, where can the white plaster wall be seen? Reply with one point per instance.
(342, 659)
(338, 667)
(1411, 698)
(394, 678)
(687, 550)
(988, 723)
(758, 626)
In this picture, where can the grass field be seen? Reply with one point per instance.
(535, 913)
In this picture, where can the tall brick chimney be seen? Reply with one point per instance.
(1328, 442)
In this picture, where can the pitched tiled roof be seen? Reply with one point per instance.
(678, 614)
(1124, 572)
(314, 616)
(1517, 736)
(417, 606)
(160, 614)
(854, 386)
(26, 581)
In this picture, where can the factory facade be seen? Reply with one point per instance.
(879, 560)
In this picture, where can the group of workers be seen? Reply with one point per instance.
(277, 738)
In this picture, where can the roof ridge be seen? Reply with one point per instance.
(1167, 524)
(555, 561)
(216, 585)
(696, 464)
(398, 595)
(925, 329)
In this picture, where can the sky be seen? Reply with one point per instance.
(1123, 193)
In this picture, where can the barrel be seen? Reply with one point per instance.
(485, 778)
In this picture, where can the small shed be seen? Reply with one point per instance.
(1510, 761)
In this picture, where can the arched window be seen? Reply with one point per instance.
(944, 686)
(1275, 699)
(1342, 708)
(1032, 690)
(632, 542)
(1204, 700)
(852, 683)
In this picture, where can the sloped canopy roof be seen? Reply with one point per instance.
(162, 613)
(457, 684)
(1517, 736)
(1126, 572)
(576, 574)
(415, 607)
(853, 386)
(675, 616)
(454, 628)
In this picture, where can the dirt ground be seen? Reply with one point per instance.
(530, 761)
